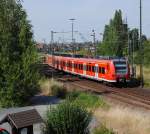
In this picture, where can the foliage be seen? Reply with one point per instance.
(67, 118)
(19, 77)
(89, 100)
(146, 54)
(134, 39)
(115, 37)
(103, 130)
(71, 96)
(59, 91)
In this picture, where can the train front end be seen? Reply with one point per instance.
(122, 70)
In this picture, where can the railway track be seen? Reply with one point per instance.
(136, 97)
(133, 96)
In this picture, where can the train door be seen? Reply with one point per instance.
(96, 71)
(57, 64)
(70, 66)
(90, 69)
(80, 68)
(75, 67)
(84, 68)
(102, 71)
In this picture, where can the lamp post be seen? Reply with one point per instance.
(73, 40)
(141, 48)
(94, 42)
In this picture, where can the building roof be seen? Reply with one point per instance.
(23, 119)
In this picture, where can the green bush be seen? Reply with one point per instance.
(67, 118)
(103, 130)
(89, 100)
(59, 91)
(72, 96)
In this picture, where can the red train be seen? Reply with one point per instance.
(103, 69)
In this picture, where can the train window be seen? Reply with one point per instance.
(81, 67)
(63, 63)
(100, 70)
(93, 68)
(86, 67)
(103, 70)
(70, 64)
(90, 68)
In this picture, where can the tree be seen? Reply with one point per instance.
(146, 52)
(18, 79)
(115, 37)
(134, 38)
(67, 118)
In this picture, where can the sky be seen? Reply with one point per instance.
(48, 15)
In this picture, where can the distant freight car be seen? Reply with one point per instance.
(107, 69)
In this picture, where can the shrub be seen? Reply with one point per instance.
(72, 96)
(103, 130)
(89, 100)
(67, 118)
(59, 91)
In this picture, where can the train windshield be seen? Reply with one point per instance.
(120, 67)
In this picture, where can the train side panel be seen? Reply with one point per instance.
(101, 70)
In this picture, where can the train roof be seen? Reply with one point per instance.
(105, 59)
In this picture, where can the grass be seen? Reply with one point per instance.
(146, 72)
(125, 120)
(47, 84)
(59, 91)
(103, 130)
(88, 100)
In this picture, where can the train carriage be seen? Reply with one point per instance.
(109, 70)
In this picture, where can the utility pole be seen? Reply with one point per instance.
(133, 37)
(73, 40)
(94, 43)
(141, 48)
(52, 50)
(52, 41)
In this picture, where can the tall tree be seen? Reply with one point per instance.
(115, 37)
(18, 79)
(134, 38)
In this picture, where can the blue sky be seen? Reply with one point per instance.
(47, 15)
